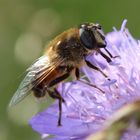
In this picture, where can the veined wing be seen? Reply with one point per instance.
(41, 67)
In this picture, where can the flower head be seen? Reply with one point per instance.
(88, 107)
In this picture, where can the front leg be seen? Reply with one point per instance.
(105, 56)
(111, 56)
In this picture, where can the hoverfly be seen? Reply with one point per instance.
(65, 54)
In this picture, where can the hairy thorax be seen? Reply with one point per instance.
(68, 48)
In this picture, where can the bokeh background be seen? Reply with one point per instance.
(26, 26)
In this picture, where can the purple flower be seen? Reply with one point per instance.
(87, 107)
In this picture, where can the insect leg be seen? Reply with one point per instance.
(110, 54)
(92, 86)
(56, 95)
(95, 68)
(77, 73)
(59, 79)
(105, 56)
(60, 107)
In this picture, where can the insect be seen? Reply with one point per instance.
(64, 55)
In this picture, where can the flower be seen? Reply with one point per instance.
(87, 108)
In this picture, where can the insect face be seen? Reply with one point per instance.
(92, 36)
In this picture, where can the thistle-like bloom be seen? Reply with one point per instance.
(87, 108)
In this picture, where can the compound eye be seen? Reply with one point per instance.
(87, 38)
(92, 36)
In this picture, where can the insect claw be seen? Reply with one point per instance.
(59, 124)
(63, 100)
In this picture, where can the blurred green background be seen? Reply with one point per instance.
(26, 26)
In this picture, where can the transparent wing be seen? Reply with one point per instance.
(39, 67)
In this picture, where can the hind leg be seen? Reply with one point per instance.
(56, 95)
